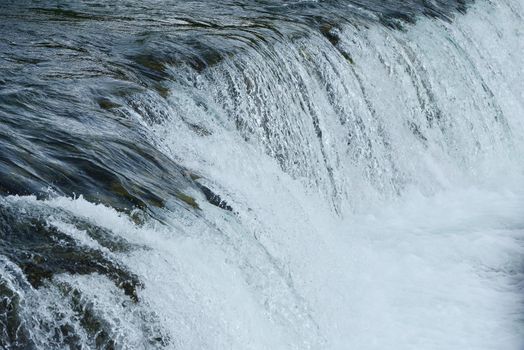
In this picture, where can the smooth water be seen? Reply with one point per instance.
(287, 175)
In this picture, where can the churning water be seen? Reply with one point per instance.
(262, 175)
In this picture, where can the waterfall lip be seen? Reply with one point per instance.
(198, 22)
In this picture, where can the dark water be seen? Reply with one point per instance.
(75, 81)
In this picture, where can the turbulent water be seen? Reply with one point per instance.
(262, 174)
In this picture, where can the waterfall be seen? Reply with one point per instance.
(357, 186)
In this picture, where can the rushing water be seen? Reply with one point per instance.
(262, 174)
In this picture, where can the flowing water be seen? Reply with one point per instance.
(262, 174)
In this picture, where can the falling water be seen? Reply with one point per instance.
(331, 175)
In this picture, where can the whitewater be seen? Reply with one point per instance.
(370, 196)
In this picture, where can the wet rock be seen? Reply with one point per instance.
(214, 198)
(211, 197)
(188, 200)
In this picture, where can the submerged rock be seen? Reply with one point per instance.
(329, 32)
(211, 196)
(105, 103)
(188, 200)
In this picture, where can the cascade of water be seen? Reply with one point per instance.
(360, 190)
